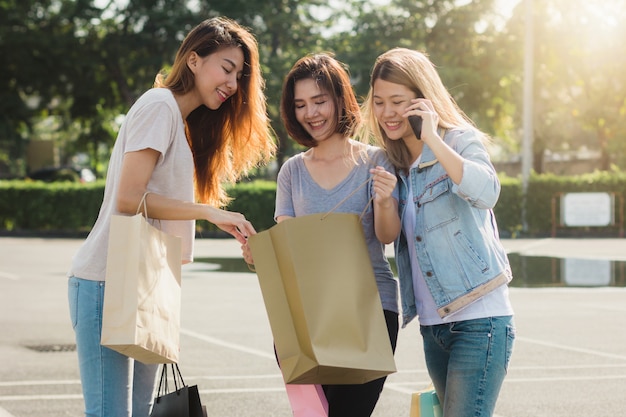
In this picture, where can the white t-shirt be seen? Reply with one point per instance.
(153, 122)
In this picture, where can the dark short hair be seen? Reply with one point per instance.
(333, 78)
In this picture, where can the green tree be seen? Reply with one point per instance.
(461, 41)
(580, 77)
(81, 64)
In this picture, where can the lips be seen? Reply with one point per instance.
(222, 96)
(317, 125)
(393, 125)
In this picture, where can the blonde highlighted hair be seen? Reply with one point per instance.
(415, 71)
(226, 143)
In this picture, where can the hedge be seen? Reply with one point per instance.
(71, 208)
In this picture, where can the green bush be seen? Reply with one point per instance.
(543, 202)
(72, 208)
(37, 206)
(254, 199)
(508, 210)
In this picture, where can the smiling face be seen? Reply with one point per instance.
(314, 109)
(217, 75)
(390, 102)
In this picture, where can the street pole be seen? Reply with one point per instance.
(527, 144)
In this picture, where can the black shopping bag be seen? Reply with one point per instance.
(184, 401)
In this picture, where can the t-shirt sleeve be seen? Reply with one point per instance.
(284, 200)
(150, 126)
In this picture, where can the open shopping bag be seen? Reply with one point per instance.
(322, 301)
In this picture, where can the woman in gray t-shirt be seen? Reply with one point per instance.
(320, 111)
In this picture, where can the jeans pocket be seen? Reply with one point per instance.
(479, 327)
(72, 296)
(510, 340)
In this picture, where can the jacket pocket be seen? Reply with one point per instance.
(436, 201)
(470, 253)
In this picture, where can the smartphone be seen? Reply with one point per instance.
(416, 125)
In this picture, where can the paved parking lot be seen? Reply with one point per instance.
(569, 358)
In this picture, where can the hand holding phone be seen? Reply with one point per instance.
(416, 125)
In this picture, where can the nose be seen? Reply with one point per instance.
(311, 111)
(383, 111)
(388, 111)
(232, 84)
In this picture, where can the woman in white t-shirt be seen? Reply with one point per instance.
(203, 124)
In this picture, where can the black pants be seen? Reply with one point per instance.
(359, 400)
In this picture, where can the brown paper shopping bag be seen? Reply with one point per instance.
(322, 301)
(141, 312)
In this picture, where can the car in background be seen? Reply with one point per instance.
(63, 173)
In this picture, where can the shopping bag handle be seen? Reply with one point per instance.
(367, 181)
(177, 378)
(145, 205)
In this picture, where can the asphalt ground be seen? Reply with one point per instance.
(569, 358)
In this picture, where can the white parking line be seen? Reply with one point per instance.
(40, 397)
(400, 387)
(5, 413)
(33, 383)
(12, 277)
(568, 378)
(229, 345)
(570, 348)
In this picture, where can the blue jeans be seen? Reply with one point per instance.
(467, 362)
(113, 384)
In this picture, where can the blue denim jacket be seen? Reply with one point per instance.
(456, 235)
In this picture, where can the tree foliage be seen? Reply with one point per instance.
(72, 67)
(579, 77)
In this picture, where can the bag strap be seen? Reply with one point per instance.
(177, 377)
(145, 205)
(367, 181)
(163, 389)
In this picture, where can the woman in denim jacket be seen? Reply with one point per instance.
(452, 268)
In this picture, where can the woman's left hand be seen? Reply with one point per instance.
(384, 183)
(247, 253)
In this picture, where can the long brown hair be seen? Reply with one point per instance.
(331, 77)
(226, 143)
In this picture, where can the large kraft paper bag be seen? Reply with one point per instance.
(322, 301)
(142, 294)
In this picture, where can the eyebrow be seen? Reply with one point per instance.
(314, 97)
(232, 63)
(393, 96)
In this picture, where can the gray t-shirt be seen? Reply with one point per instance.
(154, 122)
(298, 194)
